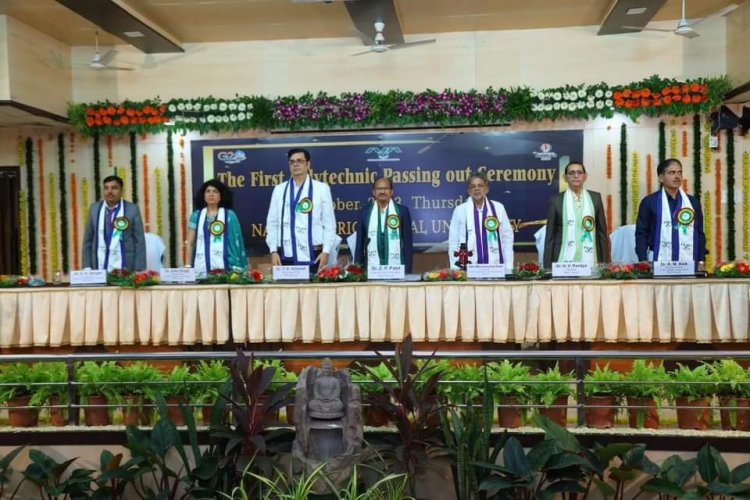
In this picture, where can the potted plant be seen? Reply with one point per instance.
(97, 386)
(177, 388)
(603, 394)
(733, 390)
(692, 390)
(550, 391)
(136, 389)
(373, 416)
(56, 393)
(461, 383)
(19, 393)
(510, 386)
(645, 389)
(210, 377)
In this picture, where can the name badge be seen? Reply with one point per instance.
(291, 273)
(179, 275)
(674, 268)
(571, 270)
(88, 277)
(485, 271)
(386, 273)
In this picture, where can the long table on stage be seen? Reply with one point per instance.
(703, 311)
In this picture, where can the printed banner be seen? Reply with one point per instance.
(429, 171)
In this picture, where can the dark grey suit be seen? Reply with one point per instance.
(553, 237)
(134, 243)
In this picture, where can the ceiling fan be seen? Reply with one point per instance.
(99, 62)
(684, 27)
(377, 43)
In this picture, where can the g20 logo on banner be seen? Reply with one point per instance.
(383, 152)
(545, 152)
(232, 157)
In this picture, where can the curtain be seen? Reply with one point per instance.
(10, 262)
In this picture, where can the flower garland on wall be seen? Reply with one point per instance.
(133, 170)
(171, 209)
(609, 161)
(85, 199)
(146, 198)
(635, 191)
(623, 175)
(684, 143)
(649, 174)
(110, 157)
(159, 203)
(746, 204)
(718, 209)
(697, 155)
(652, 97)
(54, 246)
(183, 198)
(42, 209)
(74, 216)
(31, 215)
(610, 222)
(23, 236)
(707, 153)
(673, 143)
(731, 253)
(63, 204)
(662, 141)
(97, 167)
(708, 230)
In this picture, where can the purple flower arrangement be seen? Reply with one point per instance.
(471, 106)
(349, 108)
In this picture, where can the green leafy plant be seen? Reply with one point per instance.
(508, 379)
(48, 476)
(18, 380)
(98, 378)
(551, 385)
(692, 383)
(212, 376)
(179, 382)
(645, 380)
(5, 471)
(461, 384)
(732, 379)
(603, 381)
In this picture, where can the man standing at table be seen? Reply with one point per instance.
(670, 221)
(576, 225)
(483, 226)
(301, 225)
(114, 238)
(385, 229)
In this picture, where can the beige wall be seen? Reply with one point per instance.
(738, 34)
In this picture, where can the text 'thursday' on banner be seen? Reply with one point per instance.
(429, 171)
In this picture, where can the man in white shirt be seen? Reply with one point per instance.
(301, 225)
(483, 226)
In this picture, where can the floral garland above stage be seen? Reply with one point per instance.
(653, 96)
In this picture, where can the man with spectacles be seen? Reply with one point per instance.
(576, 226)
(301, 225)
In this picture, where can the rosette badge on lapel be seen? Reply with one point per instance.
(587, 223)
(121, 224)
(217, 228)
(492, 224)
(685, 217)
(305, 206)
(393, 222)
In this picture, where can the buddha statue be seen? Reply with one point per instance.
(326, 403)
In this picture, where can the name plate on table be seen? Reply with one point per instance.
(386, 273)
(674, 269)
(88, 277)
(178, 275)
(571, 270)
(291, 273)
(485, 271)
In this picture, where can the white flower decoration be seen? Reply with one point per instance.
(564, 105)
(202, 119)
(598, 93)
(232, 106)
(608, 93)
(241, 106)
(214, 106)
(180, 106)
(225, 119)
(532, 93)
(599, 105)
(556, 106)
(172, 108)
(232, 117)
(223, 106)
(240, 116)
(189, 106)
(548, 107)
(608, 102)
(198, 106)
(581, 93)
(590, 104)
(581, 104)
(557, 96)
(210, 118)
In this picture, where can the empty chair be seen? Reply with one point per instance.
(622, 240)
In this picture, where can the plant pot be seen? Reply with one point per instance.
(735, 419)
(375, 417)
(133, 413)
(643, 418)
(557, 415)
(97, 416)
(289, 410)
(57, 416)
(510, 416)
(690, 417)
(207, 413)
(173, 409)
(600, 412)
(22, 417)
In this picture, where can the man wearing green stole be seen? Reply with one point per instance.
(384, 229)
(576, 226)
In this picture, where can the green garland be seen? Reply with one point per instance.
(30, 200)
(653, 96)
(63, 204)
(662, 141)
(97, 168)
(623, 175)
(172, 210)
(133, 168)
(730, 195)
(697, 170)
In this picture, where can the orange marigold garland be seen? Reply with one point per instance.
(684, 143)
(609, 161)
(146, 197)
(110, 160)
(183, 198)
(609, 214)
(54, 246)
(42, 210)
(649, 174)
(74, 215)
(646, 98)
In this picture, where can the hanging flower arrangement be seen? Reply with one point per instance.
(112, 118)
(211, 115)
(573, 102)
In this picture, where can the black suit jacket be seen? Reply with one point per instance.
(405, 230)
(553, 238)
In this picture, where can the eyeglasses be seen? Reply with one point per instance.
(297, 161)
(576, 173)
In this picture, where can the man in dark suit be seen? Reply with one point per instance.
(384, 229)
(670, 221)
(114, 237)
(576, 225)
